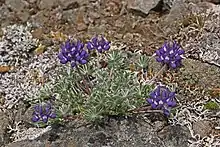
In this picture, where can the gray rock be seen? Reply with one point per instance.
(47, 4)
(4, 15)
(69, 16)
(3, 12)
(143, 6)
(23, 16)
(3, 126)
(81, 26)
(119, 23)
(16, 5)
(98, 29)
(26, 144)
(178, 11)
(70, 4)
(31, 1)
(39, 19)
(213, 1)
(207, 46)
(202, 127)
(174, 136)
(93, 16)
(167, 4)
(137, 131)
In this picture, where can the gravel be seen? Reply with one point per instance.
(16, 44)
(30, 72)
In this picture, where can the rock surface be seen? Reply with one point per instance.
(142, 5)
(16, 5)
(4, 122)
(135, 131)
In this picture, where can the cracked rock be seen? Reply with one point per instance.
(16, 5)
(143, 6)
(47, 4)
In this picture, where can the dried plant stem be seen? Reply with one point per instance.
(160, 72)
(85, 87)
(145, 109)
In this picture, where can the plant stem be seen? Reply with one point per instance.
(145, 109)
(85, 81)
(160, 71)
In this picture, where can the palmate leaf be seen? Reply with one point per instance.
(117, 90)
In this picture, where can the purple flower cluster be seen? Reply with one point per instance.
(76, 54)
(43, 113)
(162, 98)
(170, 55)
(100, 44)
(73, 53)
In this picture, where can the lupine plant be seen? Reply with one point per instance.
(73, 53)
(170, 54)
(95, 87)
(43, 112)
(162, 98)
(99, 44)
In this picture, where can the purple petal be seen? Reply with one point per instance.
(153, 95)
(63, 49)
(90, 46)
(154, 105)
(158, 53)
(79, 45)
(67, 44)
(178, 63)
(166, 59)
(83, 61)
(73, 53)
(173, 65)
(73, 49)
(161, 50)
(171, 95)
(171, 103)
(159, 59)
(78, 58)
(178, 57)
(35, 118)
(73, 64)
(37, 108)
(180, 52)
(166, 112)
(95, 41)
(83, 53)
(157, 91)
(45, 118)
(99, 49)
(63, 59)
(86, 56)
(106, 46)
(48, 108)
(165, 48)
(164, 94)
(102, 42)
(52, 115)
(150, 101)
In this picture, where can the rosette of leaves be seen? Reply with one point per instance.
(95, 91)
(117, 90)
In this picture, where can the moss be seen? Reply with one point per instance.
(211, 105)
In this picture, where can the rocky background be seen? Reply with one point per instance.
(30, 36)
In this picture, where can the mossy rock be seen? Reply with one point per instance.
(211, 105)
